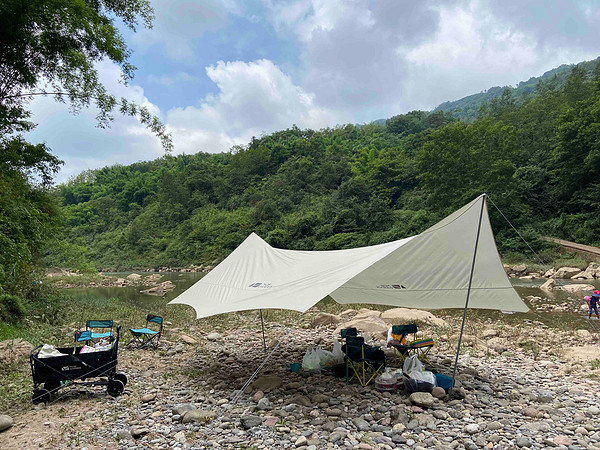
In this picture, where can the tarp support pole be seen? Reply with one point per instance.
(462, 326)
(263, 331)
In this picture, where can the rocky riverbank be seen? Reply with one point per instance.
(525, 386)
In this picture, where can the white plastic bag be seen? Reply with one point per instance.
(311, 360)
(412, 364)
(338, 354)
(423, 375)
(325, 357)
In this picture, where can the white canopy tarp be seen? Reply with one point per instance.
(427, 271)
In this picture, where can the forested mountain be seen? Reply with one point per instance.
(468, 107)
(538, 158)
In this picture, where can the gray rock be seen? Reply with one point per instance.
(5, 422)
(180, 437)
(250, 421)
(264, 404)
(337, 436)
(300, 400)
(472, 428)
(493, 426)
(124, 435)
(361, 424)
(438, 392)
(301, 441)
(470, 445)
(198, 415)
(423, 399)
(148, 398)
(139, 431)
(523, 442)
(214, 336)
(457, 393)
(267, 383)
(545, 396)
(440, 414)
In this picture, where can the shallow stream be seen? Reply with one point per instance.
(557, 308)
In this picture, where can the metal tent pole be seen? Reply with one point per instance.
(462, 327)
(263, 331)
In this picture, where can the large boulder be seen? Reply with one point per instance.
(134, 276)
(585, 275)
(577, 288)
(566, 272)
(371, 325)
(365, 313)
(549, 285)
(519, 268)
(160, 289)
(397, 316)
(593, 269)
(324, 319)
(267, 383)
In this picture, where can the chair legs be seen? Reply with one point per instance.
(143, 340)
(423, 352)
(363, 371)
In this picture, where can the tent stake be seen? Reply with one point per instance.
(462, 326)
(263, 331)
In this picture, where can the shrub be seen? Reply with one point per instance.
(12, 308)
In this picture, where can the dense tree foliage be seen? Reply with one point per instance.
(349, 186)
(50, 47)
(467, 108)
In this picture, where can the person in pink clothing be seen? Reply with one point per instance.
(593, 301)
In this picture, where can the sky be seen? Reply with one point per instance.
(218, 72)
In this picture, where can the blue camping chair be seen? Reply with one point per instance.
(146, 337)
(89, 336)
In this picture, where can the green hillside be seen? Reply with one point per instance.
(538, 158)
(467, 108)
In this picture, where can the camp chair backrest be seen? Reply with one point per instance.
(99, 324)
(347, 332)
(404, 329)
(155, 319)
(83, 335)
(354, 347)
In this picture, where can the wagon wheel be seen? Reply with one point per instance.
(121, 377)
(52, 386)
(115, 387)
(40, 396)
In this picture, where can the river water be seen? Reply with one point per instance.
(525, 288)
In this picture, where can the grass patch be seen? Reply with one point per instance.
(595, 364)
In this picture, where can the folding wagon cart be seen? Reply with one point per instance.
(56, 372)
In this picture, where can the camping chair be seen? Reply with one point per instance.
(363, 361)
(89, 336)
(146, 337)
(403, 348)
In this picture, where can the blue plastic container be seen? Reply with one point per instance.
(443, 381)
(295, 367)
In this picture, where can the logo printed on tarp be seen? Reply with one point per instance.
(261, 285)
(391, 286)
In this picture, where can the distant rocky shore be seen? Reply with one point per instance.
(151, 282)
(589, 273)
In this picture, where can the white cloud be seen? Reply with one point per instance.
(376, 59)
(76, 139)
(178, 23)
(253, 98)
